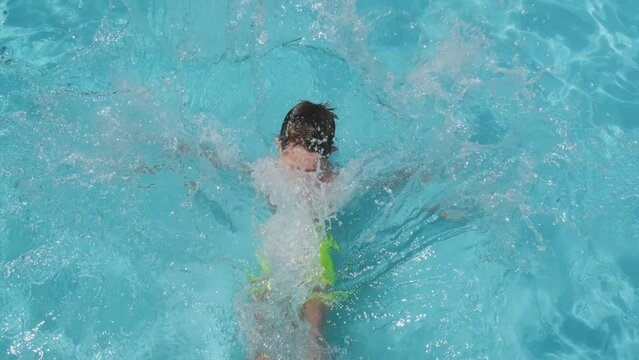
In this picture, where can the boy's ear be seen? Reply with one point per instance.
(278, 143)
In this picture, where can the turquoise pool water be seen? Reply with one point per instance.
(492, 152)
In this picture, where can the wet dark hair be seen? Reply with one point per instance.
(311, 126)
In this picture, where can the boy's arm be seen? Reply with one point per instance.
(400, 178)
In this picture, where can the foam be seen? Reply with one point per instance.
(289, 243)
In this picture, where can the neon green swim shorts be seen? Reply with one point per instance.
(261, 285)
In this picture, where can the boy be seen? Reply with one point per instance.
(304, 144)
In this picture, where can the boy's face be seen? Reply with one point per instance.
(298, 157)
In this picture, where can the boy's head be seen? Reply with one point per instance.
(310, 126)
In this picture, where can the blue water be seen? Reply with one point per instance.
(497, 207)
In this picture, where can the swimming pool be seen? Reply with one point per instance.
(496, 203)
